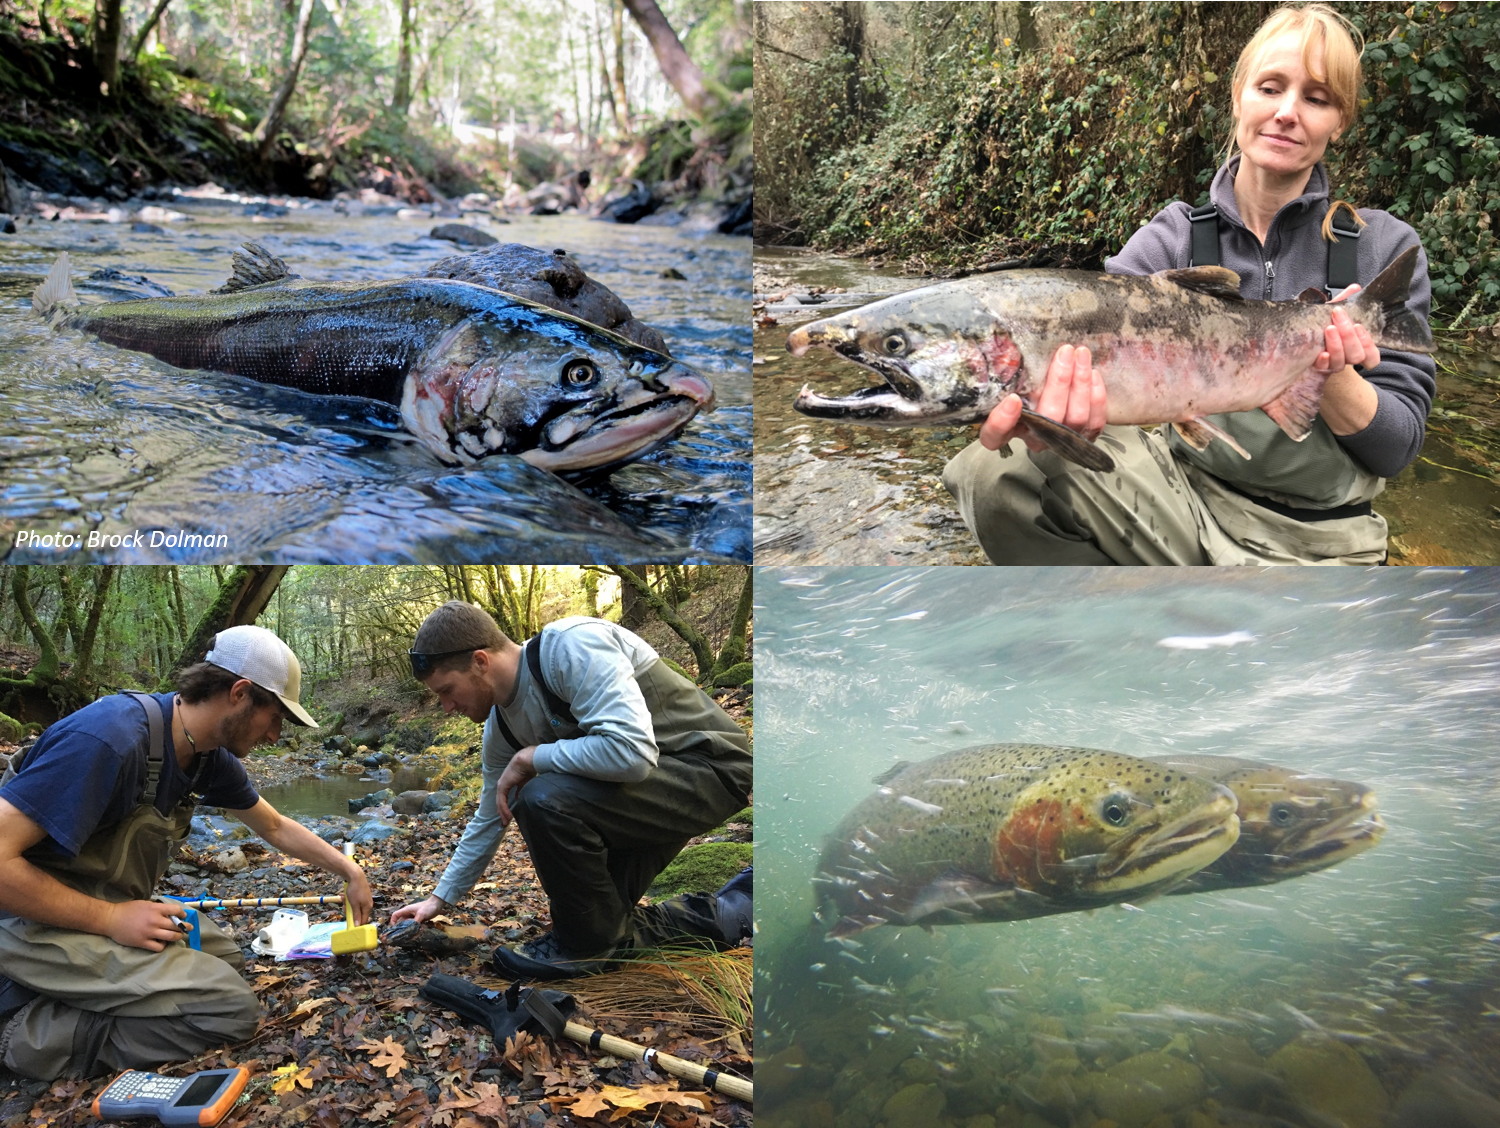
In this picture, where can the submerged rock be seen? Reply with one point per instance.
(374, 799)
(1328, 1077)
(916, 1106)
(1138, 1089)
(463, 235)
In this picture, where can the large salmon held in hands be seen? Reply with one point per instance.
(1171, 347)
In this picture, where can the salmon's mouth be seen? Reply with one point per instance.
(1161, 855)
(1350, 832)
(585, 440)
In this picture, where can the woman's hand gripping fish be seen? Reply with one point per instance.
(474, 371)
(1172, 347)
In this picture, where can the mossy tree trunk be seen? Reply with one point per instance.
(677, 67)
(243, 595)
(109, 21)
(265, 133)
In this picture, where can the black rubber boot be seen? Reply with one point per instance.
(734, 908)
(542, 958)
(504, 1012)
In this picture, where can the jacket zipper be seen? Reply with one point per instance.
(1270, 277)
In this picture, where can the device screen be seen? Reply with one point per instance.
(201, 1089)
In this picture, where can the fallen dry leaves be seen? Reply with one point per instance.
(390, 1055)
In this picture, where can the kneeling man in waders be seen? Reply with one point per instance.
(608, 760)
(95, 976)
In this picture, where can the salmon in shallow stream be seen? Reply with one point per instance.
(1172, 347)
(474, 371)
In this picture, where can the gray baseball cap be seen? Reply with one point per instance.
(259, 656)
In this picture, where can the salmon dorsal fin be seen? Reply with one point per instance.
(1215, 281)
(255, 266)
(1313, 296)
(892, 772)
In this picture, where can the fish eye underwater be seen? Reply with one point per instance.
(1076, 848)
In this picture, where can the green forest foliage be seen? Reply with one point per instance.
(959, 141)
(344, 622)
(188, 102)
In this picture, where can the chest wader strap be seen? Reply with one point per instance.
(559, 710)
(1205, 235)
(1343, 251)
(1343, 254)
(157, 752)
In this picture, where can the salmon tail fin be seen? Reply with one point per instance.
(57, 291)
(1296, 408)
(1382, 308)
(1067, 442)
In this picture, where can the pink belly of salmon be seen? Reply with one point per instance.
(1167, 381)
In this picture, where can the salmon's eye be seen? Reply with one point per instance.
(894, 344)
(1281, 815)
(1115, 810)
(579, 373)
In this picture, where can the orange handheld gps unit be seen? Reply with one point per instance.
(200, 1098)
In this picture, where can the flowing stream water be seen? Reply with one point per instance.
(838, 493)
(1341, 997)
(97, 439)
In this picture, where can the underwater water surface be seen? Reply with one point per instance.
(1362, 996)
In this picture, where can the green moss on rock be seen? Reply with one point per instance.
(701, 869)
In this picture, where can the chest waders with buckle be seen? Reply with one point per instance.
(124, 862)
(1318, 469)
(105, 1006)
(702, 776)
(685, 720)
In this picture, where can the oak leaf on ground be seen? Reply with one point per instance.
(390, 1055)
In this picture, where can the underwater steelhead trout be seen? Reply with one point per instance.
(1291, 823)
(1011, 831)
(474, 371)
(1172, 347)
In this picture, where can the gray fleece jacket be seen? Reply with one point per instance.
(1294, 257)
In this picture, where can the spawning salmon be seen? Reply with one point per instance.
(1171, 347)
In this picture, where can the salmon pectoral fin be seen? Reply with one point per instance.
(961, 897)
(1296, 408)
(1200, 432)
(1067, 442)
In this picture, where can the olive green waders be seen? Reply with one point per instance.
(1038, 508)
(102, 1006)
(597, 846)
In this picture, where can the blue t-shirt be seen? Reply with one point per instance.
(88, 771)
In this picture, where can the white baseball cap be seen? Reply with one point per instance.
(259, 656)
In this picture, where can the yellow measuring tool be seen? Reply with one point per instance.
(360, 938)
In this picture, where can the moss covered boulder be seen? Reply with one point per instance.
(1327, 1076)
(701, 869)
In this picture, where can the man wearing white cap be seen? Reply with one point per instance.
(95, 975)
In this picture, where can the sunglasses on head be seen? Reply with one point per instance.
(423, 664)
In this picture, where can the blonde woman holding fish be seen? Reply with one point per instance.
(1181, 495)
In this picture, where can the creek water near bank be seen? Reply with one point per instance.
(94, 438)
(837, 493)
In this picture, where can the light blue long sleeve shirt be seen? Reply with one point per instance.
(591, 664)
